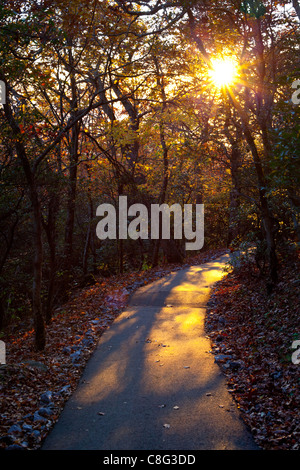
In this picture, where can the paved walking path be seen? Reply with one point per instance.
(152, 384)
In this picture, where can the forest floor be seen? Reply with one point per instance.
(251, 334)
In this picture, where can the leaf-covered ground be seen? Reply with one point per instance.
(252, 334)
(35, 386)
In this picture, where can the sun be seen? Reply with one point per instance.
(223, 72)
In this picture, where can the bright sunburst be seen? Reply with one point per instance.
(223, 72)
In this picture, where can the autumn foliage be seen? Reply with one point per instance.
(109, 98)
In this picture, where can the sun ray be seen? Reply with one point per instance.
(224, 72)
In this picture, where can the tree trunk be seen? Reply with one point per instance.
(267, 218)
(39, 325)
(162, 195)
(296, 5)
(131, 150)
(234, 204)
(73, 158)
(50, 230)
(86, 249)
(72, 190)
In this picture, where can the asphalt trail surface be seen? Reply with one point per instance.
(152, 383)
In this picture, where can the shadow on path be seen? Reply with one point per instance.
(151, 383)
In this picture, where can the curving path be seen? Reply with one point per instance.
(151, 383)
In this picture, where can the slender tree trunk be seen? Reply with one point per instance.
(234, 203)
(267, 219)
(131, 150)
(72, 190)
(73, 158)
(50, 230)
(294, 201)
(163, 191)
(89, 235)
(264, 106)
(234, 226)
(39, 325)
(296, 5)
(86, 249)
(120, 244)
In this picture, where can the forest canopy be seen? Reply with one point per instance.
(176, 102)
